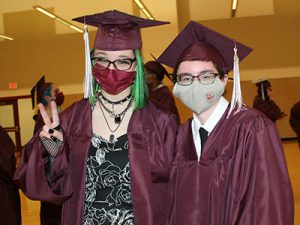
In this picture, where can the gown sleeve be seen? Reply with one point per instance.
(160, 161)
(31, 174)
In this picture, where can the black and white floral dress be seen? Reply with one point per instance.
(107, 186)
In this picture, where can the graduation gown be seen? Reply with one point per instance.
(269, 108)
(10, 210)
(241, 178)
(163, 97)
(151, 138)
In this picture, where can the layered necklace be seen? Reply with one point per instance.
(118, 118)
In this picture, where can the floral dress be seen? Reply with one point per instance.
(107, 186)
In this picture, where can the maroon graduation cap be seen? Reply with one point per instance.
(117, 30)
(156, 68)
(36, 89)
(197, 42)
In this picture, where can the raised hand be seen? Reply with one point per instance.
(50, 128)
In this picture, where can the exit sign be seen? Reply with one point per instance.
(12, 85)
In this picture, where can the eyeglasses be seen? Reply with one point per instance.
(119, 64)
(204, 78)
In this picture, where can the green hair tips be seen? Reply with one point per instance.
(139, 88)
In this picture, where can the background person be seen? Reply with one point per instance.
(45, 92)
(10, 208)
(265, 103)
(159, 93)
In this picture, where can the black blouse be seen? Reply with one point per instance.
(107, 186)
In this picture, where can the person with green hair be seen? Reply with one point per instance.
(110, 153)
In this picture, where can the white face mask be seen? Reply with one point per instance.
(199, 97)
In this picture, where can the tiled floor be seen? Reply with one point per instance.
(30, 209)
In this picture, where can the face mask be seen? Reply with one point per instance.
(59, 98)
(113, 81)
(199, 97)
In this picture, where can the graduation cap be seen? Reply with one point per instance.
(35, 90)
(158, 69)
(197, 42)
(116, 31)
(262, 85)
(37, 93)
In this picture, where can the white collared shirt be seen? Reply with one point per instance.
(209, 125)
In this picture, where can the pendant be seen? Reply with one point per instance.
(111, 137)
(117, 119)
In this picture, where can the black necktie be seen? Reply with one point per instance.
(203, 136)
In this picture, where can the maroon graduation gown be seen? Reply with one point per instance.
(269, 108)
(151, 139)
(10, 210)
(241, 178)
(295, 119)
(165, 99)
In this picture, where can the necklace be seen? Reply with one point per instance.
(120, 118)
(117, 117)
(117, 102)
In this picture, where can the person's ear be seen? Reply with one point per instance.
(225, 79)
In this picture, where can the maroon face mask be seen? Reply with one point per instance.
(113, 81)
(59, 98)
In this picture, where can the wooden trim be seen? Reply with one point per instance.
(13, 100)
(14, 97)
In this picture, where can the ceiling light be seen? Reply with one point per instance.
(146, 13)
(234, 7)
(76, 28)
(62, 21)
(144, 9)
(140, 5)
(6, 37)
(40, 9)
(57, 18)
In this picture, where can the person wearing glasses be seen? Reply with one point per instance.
(110, 153)
(229, 166)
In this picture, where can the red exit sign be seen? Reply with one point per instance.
(12, 85)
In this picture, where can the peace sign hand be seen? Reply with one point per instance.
(49, 130)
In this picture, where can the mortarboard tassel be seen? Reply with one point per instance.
(88, 78)
(236, 99)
